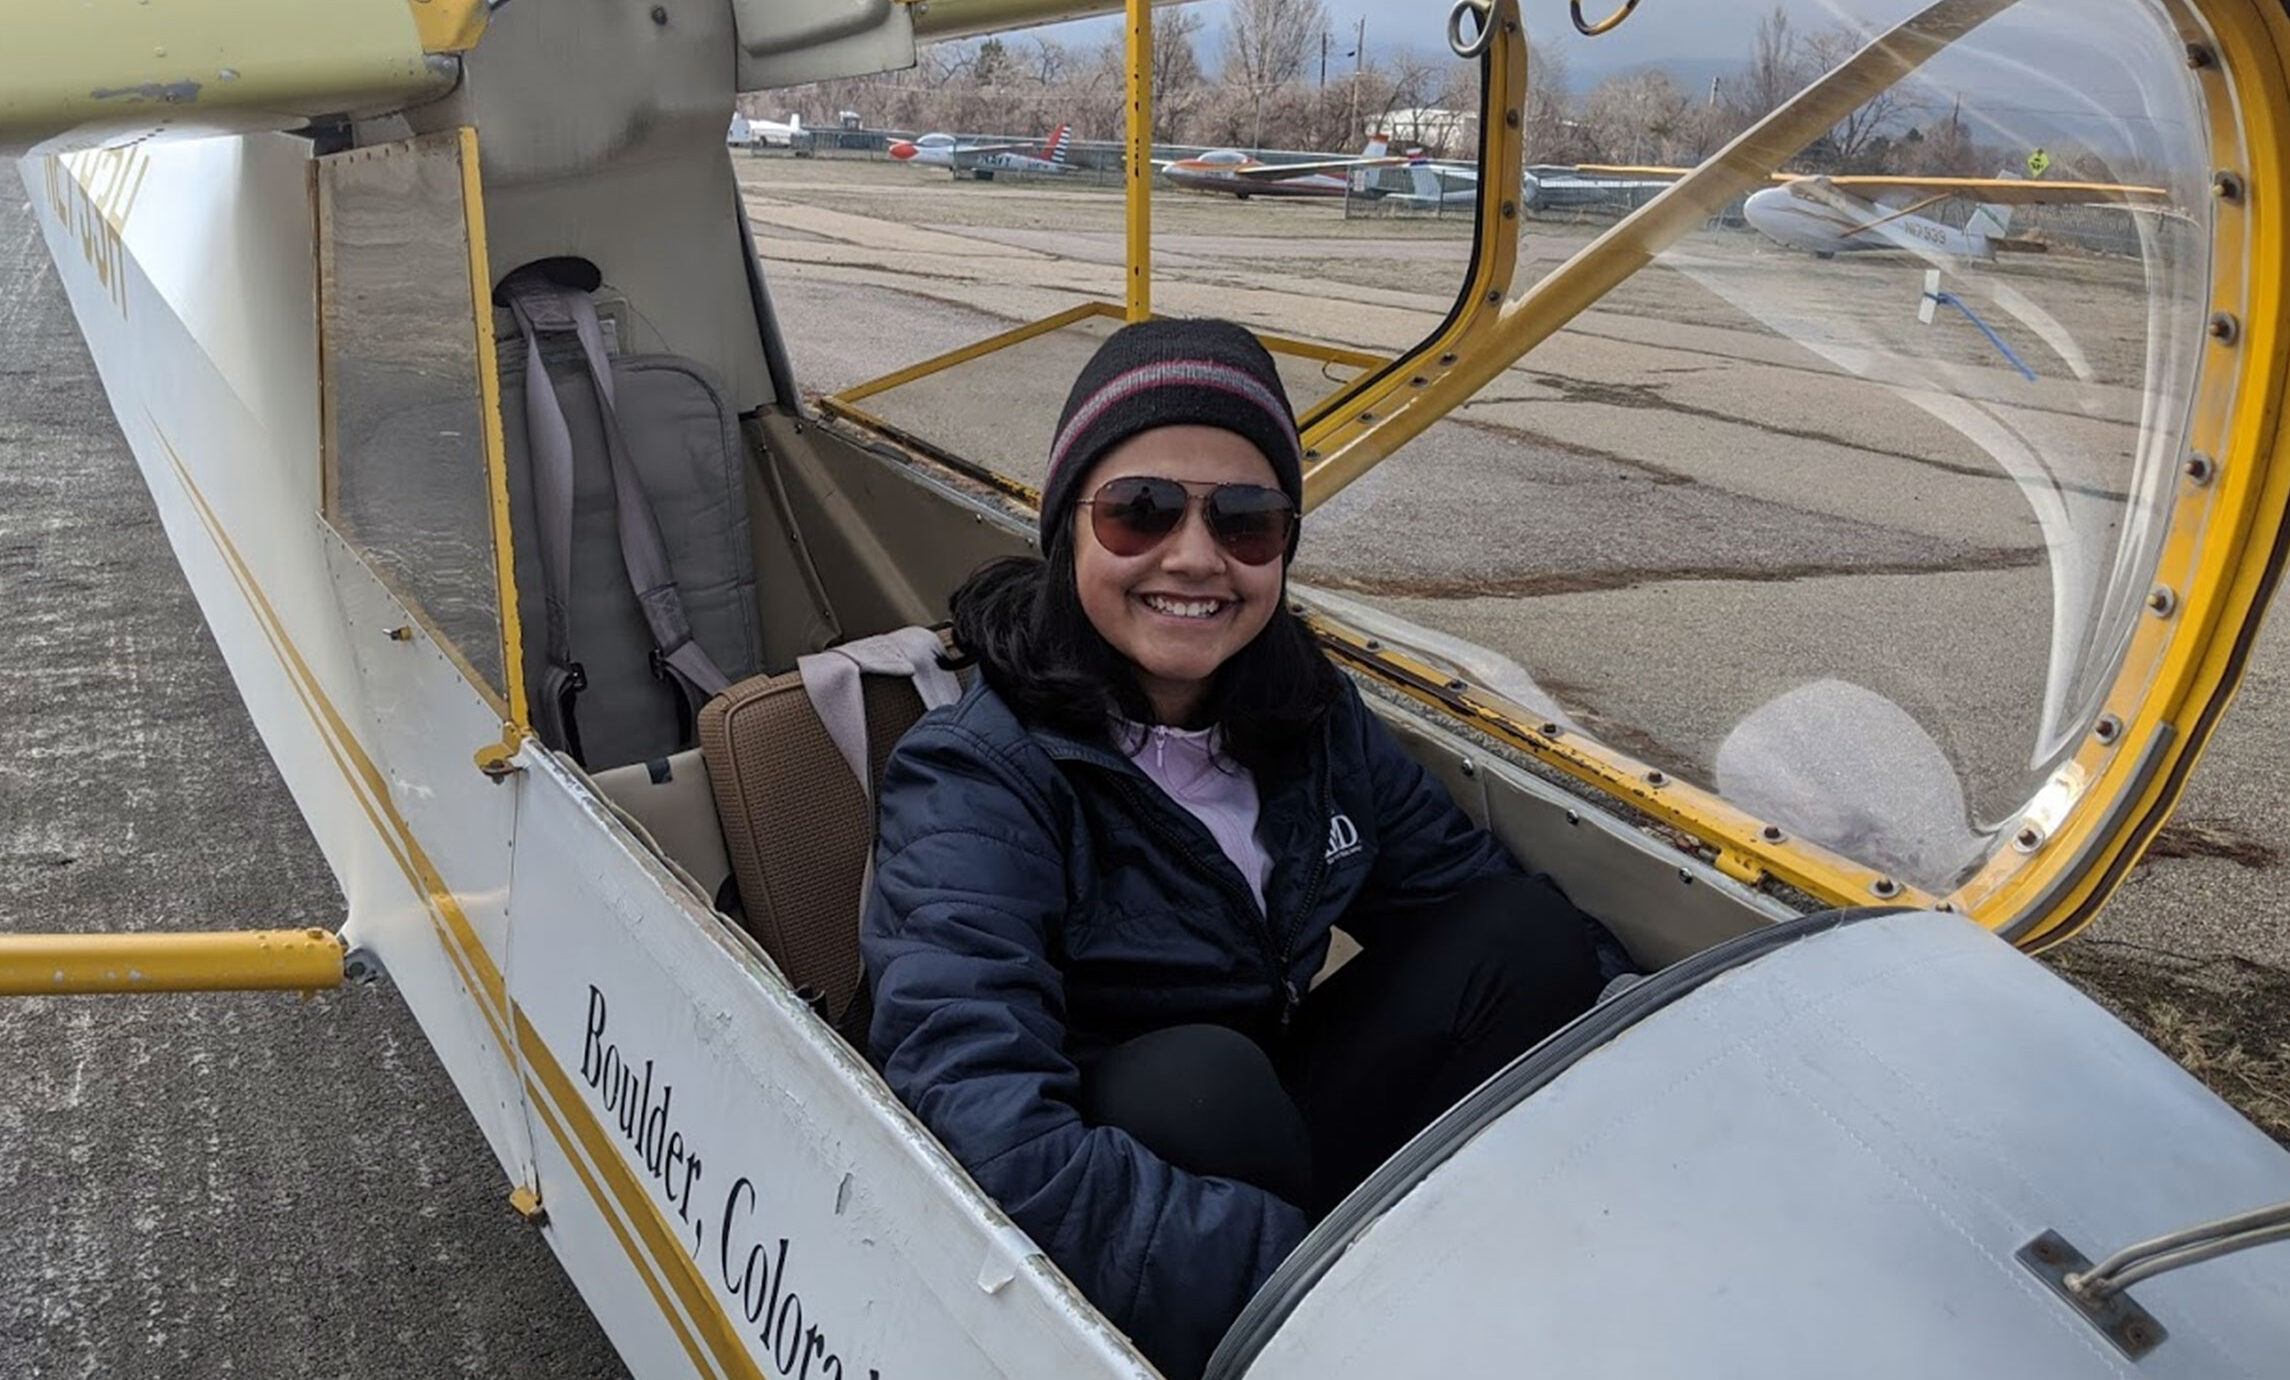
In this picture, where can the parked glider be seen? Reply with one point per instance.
(1052, 157)
(1239, 173)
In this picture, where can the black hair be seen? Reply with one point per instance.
(1020, 620)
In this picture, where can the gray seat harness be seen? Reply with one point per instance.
(542, 306)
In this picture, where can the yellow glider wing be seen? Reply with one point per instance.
(81, 74)
(1273, 172)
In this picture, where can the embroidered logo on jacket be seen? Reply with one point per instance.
(1343, 838)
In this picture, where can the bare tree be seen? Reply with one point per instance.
(1049, 62)
(939, 63)
(1853, 139)
(1551, 131)
(1776, 68)
(1176, 69)
(1266, 43)
(1266, 40)
(1636, 118)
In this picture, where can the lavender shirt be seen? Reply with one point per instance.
(1221, 795)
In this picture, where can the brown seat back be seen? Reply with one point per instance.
(796, 826)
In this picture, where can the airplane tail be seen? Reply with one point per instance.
(795, 122)
(1993, 222)
(1990, 222)
(1424, 180)
(1363, 179)
(1060, 145)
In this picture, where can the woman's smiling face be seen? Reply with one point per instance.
(1180, 610)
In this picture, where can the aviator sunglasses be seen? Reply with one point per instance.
(1135, 513)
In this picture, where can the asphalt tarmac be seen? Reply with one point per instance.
(264, 1186)
(213, 1185)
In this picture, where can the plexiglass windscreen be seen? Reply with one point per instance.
(1849, 505)
(407, 483)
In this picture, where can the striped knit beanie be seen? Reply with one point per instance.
(1170, 373)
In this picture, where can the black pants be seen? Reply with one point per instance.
(1430, 1010)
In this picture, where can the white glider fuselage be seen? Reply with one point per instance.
(1830, 222)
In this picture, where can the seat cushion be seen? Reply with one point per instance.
(797, 828)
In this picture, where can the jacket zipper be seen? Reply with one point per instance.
(1291, 998)
(1151, 814)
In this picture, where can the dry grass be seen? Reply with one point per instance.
(2226, 1020)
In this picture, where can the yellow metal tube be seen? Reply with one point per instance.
(1139, 164)
(223, 961)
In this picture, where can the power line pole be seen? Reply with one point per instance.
(1359, 60)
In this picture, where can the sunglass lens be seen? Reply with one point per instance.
(1133, 514)
(1251, 521)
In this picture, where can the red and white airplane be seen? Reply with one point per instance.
(1236, 172)
(1051, 157)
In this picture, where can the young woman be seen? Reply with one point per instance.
(1107, 875)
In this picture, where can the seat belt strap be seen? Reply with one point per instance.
(541, 305)
(549, 441)
(642, 551)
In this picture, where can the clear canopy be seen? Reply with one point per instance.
(1849, 505)
(1846, 507)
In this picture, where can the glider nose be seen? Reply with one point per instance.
(903, 151)
(1766, 211)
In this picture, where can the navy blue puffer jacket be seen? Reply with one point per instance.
(1038, 900)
